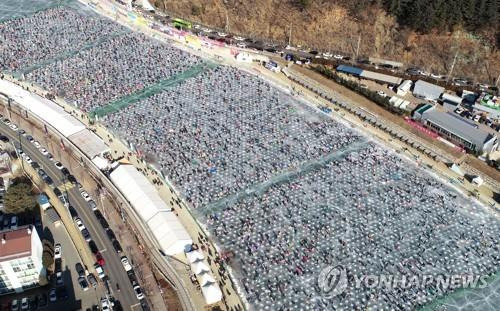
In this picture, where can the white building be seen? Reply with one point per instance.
(404, 87)
(20, 260)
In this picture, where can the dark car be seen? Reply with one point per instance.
(48, 180)
(117, 246)
(92, 280)
(104, 223)
(41, 173)
(79, 269)
(61, 293)
(117, 306)
(4, 138)
(72, 179)
(65, 171)
(111, 234)
(72, 211)
(58, 265)
(57, 192)
(93, 247)
(84, 285)
(98, 214)
(86, 235)
(92, 205)
(35, 165)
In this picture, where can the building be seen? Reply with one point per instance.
(404, 87)
(427, 90)
(20, 260)
(457, 130)
(369, 75)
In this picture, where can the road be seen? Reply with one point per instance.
(113, 266)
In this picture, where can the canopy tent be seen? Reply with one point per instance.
(199, 267)
(194, 256)
(144, 198)
(169, 232)
(478, 181)
(101, 163)
(89, 143)
(207, 279)
(138, 191)
(43, 108)
(211, 293)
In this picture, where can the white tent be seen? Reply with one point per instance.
(199, 267)
(43, 108)
(478, 181)
(457, 169)
(194, 256)
(169, 233)
(101, 163)
(142, 195)
(211, 293)
(147, 6)
(89, 143)
(138, 191)
(207, 279)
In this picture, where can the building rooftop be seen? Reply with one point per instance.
(428, 90)
(15, 243)
(457, 126)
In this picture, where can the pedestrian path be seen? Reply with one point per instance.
(152, 90)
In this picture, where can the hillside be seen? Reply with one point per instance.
(425, 33)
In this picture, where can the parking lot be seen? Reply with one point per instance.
(68, 293)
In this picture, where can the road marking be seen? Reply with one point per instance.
(67, 186)
(103, 250)
(133, 306)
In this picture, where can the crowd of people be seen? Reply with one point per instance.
(224, 130)
(112, 70)
(370, 212)
(31, 40)
(283, 187)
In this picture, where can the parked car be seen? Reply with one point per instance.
(52, 295)
(138, 292)
(57, 192)
(79, 223)
(85, 195)
(72, 179)
(79, 269)
(44, 151)
(58, 165)
(110, 234)
(92, 205)
(24, 304)
(14, 306)
(30, 138)
(105, 305)
(104, 223)
(4, 138)
(92, 280)
(126, 264)
(100, 271)
(83, 283)
(65, 171)
(117, 246)
(98, 214)
(93, 247)
(100, 259)
(37, 144)
(86, 235)
(59, 278)
(57, 251)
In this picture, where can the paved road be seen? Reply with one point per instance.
(113, 267)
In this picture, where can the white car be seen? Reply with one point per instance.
(126, 264)
(13, 127)
(222, 34)
(241, 45)
(206, 30)
(196, 26)
(338, 56)
(57, 251)
(238, 38)
(105, 305)
(28, 160)
(52, 295)
(79, 224)
(477, 118)
(37, 144)
(138, 292)
(59, 278)
(382, 93)
(100, 271)
(85, 195)
(44, 151)
(58, 165)
(327, 55)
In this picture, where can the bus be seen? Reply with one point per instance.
(181, 24)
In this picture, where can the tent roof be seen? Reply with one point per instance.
(211, 293)
(207, 279)
(199, 267)
(45, 109)
(138, 191)
(89, 143)
(194, 256)
(169, 232)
